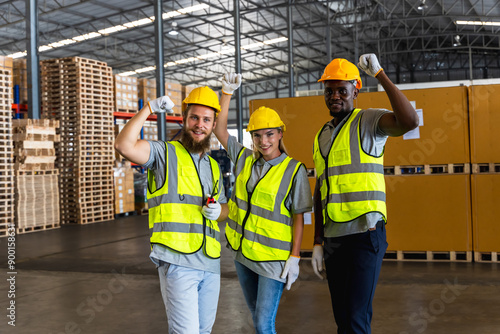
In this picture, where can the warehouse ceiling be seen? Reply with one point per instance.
(414, 45)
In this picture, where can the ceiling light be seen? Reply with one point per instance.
(173, 31)
(209, 55)
(114, 29)
(477, 23)
(263, 58)
(18, 55)
(457, 41)
(422, 5)
(111, 30)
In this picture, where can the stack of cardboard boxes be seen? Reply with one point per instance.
(124, 188)
(147, 92)
(126, 94)
(186, 90)
(20, 78)
(174, 92)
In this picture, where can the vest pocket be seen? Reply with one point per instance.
(351, 189)
(189, 181)
(341, 157)
(264, 199)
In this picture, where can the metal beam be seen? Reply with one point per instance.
(32, 64)
(291, 85)
(160, 70)
(237, 58)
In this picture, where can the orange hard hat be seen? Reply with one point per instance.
(341, 69)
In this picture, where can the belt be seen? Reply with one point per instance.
(380, 223)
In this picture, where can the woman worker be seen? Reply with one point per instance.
(266, 210)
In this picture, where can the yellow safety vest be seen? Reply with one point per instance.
(175, 218)
(351, 181)
(259, 223)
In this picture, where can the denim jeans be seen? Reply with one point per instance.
(262, 295)
(190, 298)
(353, 265)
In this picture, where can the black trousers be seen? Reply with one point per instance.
(353, 265)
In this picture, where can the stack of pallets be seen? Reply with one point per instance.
(36, 186)
(79, 93)
(6, 153)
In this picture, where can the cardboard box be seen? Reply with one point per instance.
(485, 212)
(429, 213)
(124, 189)
(186, 90)
(443, 137)
(6, 63)
(485, 122)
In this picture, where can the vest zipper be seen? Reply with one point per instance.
(204, 241)
(243, 223)
(326, 164)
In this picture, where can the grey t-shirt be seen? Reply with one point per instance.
(156, 164)
(372, 141)
(299, 201)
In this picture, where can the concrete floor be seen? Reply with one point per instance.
(98, 279)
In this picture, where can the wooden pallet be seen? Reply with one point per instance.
(34, 166)
(23, 230)
(38, 172)
(486, 168)
(428, 169)
(37, 186)
(429, 256)
(79, 93)
(487, 257)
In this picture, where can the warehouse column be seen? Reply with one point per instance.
(291, 86)
(160, 70)
(237, 58)
(32, 65)
(328, 33)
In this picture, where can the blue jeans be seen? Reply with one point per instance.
(190, 298)
(352, 266)
(262, 295)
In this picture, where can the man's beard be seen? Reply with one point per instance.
(193, 146)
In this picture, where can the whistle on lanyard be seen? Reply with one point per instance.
(211, 198)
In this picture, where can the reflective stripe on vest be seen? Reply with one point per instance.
(259, 223)
(351, 182)
(175, 218)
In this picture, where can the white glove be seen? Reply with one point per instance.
(212, 211)
(369, 63)
(230, 83)
(317, 260)
(161, 105)
(291, 271)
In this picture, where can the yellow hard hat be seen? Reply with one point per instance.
(341, 69)
(204, 96)
(265, 118)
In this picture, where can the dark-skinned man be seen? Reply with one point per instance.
(349, 199)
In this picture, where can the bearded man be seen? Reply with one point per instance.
(185, 236)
